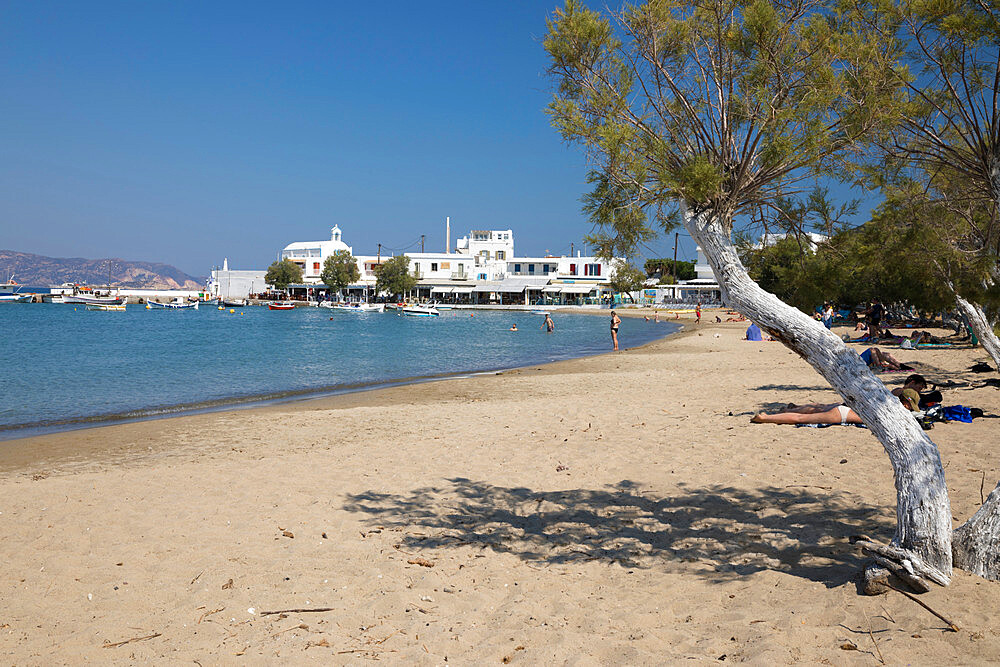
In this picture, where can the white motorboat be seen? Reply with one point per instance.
(359, 307)
(117, 307)
(53, 298)
(421, 311)
(176, 304)
(234, 303)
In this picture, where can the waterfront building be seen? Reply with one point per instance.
(481, 269)
(230, 284)
(310, 255)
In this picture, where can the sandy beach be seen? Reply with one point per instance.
(617, 509)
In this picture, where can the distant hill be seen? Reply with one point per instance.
(31, 269)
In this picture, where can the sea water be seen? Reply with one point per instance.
(62, 366)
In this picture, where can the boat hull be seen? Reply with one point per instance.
(416, 311)
(281, 305)
(94, 300)
(115, 307)
(16, 298)
(172, 306)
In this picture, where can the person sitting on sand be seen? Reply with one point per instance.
(879, 360)
(909, 393)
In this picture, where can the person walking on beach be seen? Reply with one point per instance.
(697, 313)
(615, 321)
(549, 325)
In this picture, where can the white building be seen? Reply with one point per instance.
(231, 284)
(310, 255)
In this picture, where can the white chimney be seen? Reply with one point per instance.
(447, 235)
(225, 264)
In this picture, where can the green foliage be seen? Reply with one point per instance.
(284, 273)
(393, 276)
(626, 278)
(340, 270)
(665, 267)
(725, 104)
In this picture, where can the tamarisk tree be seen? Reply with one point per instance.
(947, 135)
(714, 109)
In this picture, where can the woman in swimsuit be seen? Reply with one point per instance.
(828, 413)
(615, 321)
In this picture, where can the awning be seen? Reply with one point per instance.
(442, 290)
(461, 290)
(578, 289)
(491, 287)
(552, 289)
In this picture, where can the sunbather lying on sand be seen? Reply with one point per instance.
(838, 413)
(879, 360)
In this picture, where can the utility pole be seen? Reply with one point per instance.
(379, 260)
(571, 253)
(676, 235)
(421, 243)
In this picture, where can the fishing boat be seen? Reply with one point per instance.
(176, 304)
(421, 311)
(281, 305)
(234, 303)
(94, 300)
(53, 298)
(10, 292)
(117, 307)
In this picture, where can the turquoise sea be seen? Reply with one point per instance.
(62, 366)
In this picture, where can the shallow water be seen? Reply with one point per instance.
(62, 366)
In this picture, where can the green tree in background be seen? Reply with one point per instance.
(340, 270)
(665, 267)
(284, 273)
(393, 276)
(626, 278)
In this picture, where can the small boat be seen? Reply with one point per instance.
(394, 306)
(281, 305)
(16, 298)
(176, 304)
(234, 303)
(53, 298)
(117, 307)
(421, 311)
(443, 306)
(359, 307)
(94, 300)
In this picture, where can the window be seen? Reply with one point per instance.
(572, 269)
(315, 266)
(434, 266)
(416, 268)
(531, 268)
(482, 276)
(445, 265)
(501, 254)
(591, 269)
(517, 268)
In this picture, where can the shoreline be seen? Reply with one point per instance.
(18, 446)
(20, 431)
(611, 509)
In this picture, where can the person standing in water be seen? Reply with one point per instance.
(615, 321)
(549, 325)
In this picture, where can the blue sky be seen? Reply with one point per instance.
(185, 132)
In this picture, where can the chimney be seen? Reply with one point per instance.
(447, 235)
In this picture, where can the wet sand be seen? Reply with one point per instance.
(613, 509)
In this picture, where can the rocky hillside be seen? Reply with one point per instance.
(31, 269)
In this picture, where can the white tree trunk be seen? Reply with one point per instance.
(975, 543)
(981, 327)
(923, 511)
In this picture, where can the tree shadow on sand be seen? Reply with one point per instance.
(729, 532)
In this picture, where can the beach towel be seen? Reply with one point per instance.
(957, 413)
(827, 425)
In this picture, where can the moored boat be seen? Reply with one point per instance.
(176, 304)
(117, 307)
(16, 298)
(234, 303)
(53, 298)
(94, 300)
(281, 305)
(421, 311)
(359, 307)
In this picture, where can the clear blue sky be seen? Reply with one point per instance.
(185, 132)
